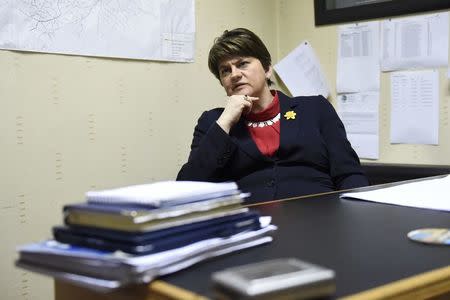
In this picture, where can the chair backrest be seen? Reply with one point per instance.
(385, 173)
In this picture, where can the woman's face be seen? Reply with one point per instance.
(244, 76)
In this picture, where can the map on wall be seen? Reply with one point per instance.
(136, 29)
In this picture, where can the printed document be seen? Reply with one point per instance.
(415, 42)
(359, 113)
(358, 66)
(153, 30)
(431, 194)
(301, 72)
(415, 107)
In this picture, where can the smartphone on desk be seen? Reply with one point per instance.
(284, 278)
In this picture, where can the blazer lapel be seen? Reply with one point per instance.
(289, 128)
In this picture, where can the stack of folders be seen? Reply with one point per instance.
(133, 234)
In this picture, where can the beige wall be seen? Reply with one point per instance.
(71, 124)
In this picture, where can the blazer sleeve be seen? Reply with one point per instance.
(211, 149)
(345, 167)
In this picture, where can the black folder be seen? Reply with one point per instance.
(159, 240)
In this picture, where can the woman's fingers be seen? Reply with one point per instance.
(250, 98)
(237, 105)
(243, 104)
(242, 97)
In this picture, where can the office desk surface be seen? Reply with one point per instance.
(365, 243)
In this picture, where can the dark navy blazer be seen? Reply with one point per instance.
(314, 154)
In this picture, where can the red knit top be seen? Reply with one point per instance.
(264, 127)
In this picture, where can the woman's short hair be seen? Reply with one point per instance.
(237, 42)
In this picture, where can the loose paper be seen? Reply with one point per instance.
(301, 72)
(431, 194)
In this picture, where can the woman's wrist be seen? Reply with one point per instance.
(224, 125)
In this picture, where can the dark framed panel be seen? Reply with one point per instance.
(340, 11)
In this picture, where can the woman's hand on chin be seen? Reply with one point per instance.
(236, 106)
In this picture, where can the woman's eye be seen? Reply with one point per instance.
(243, 63)
(224, 72)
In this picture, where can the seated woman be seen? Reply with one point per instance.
(272, 145)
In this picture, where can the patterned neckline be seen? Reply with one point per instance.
(269, 122)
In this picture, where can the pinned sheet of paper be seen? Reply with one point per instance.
(301, 72)
(359, 113)
(415, 42)
(358, 66)
(415, 107)
(151, 30)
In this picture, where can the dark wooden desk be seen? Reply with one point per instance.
(364, 242)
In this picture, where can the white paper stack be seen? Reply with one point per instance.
(164, 193)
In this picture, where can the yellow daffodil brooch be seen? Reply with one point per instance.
(290, 115)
